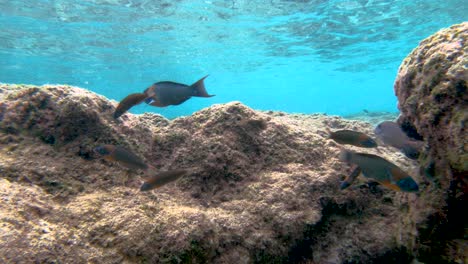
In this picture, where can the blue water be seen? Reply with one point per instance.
(335, 57)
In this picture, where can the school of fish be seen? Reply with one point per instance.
(373, 167)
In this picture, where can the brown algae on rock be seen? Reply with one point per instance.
(258, 195)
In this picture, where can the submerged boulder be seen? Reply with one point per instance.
(266, 187)
(433, 99)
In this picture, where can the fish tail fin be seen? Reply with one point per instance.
(199, 88)
(345, 155)
(411, 151)
(408, 185)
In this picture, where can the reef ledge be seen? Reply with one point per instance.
(266, 191)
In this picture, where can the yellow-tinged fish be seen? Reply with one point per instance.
(122, 156)
(354, 138)
(381, 170)
(162, 178)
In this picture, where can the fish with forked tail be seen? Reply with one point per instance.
(171, 93)
(354, 138)
(163, 94)
(129, 102)
(380, 170)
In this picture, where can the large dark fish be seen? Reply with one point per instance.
(129, 102)
(162, 178)
(391, 134)
(354, 138)
(381, 170)
(171, 93)
(122, 156)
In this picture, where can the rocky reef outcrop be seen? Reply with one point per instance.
(265, 188)
(432, 92)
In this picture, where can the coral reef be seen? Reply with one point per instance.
(265, 188)
(432, 92)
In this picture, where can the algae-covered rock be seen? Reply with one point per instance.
(433, 99)
(432, 92)
(265, 188)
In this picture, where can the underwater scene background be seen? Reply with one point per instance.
(83, 181)
(334, 57)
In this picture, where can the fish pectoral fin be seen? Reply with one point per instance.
(149, 100)
(410, 151)
(391, 178)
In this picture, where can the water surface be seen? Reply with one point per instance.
(334, 57)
